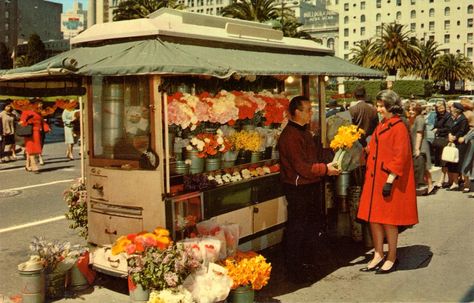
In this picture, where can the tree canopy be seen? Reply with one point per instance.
(5, 59)
(36, 50)
(135, 9)
(452, 68)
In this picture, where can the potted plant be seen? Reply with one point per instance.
(75, 198)
(134, 246)
(249, 271)
(164, 271)
(57, 258)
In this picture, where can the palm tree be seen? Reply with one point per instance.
(451, 68)
(429, 51)
(253, 10)
(135, 9)
(362, 53)
(395, 49)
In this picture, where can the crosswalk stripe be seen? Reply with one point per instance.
(16, 227)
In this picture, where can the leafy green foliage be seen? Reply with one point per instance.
(451, 68)
(36, 50)
(135, 9)
(404, 88)
(75, 197)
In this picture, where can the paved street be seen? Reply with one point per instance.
(436, 263)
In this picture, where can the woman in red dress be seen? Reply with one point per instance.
(33, 146)
(388, 198)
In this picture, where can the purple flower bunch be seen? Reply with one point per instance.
(198, 182)
(159, 269)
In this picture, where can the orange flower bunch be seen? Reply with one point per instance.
(248, 268)
(136, 243)
(209, 145)
(21, 105)
(66, 104)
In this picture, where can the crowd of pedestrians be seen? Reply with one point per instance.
(36, 115)
(454, 123)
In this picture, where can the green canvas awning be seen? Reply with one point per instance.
(155, 56)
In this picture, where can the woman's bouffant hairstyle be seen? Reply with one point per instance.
(391, 101)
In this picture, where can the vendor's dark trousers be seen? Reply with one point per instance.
(303, 224)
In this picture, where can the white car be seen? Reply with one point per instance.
(470, 97)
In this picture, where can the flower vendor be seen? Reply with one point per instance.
(301, 173)
(388, 197)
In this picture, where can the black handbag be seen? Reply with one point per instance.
(24, 131)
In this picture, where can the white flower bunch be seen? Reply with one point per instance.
(199, 144)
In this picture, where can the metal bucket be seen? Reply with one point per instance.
(32, 286)
(78, 281)
(342, 183)
(112, 110)
(197, 164)
(213, 164)
(255, 157)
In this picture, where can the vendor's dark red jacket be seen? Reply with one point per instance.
(298, 156)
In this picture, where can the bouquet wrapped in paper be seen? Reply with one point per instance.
(348, 149)
(212, 228)
(205, 249)
(209, 285)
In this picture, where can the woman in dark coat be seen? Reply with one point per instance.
(441, 130)
(388, 197)
(459, 128)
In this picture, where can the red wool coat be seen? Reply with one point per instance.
(389, 152)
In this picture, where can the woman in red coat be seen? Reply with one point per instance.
(388, 198)
(33, 144)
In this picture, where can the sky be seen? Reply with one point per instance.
(67, 4)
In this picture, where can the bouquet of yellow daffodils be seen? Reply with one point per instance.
(344, 140)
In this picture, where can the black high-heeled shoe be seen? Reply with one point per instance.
(369, 269)
(381, 271)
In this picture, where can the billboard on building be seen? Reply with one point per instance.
(72, 24)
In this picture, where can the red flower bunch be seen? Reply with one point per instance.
(275, 109)
(247, 107)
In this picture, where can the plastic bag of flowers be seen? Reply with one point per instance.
(213, 229)
(231, 232)
(171, 295)
(204, 249)
(210, 284)
(248, 269)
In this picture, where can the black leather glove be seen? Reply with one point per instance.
(387, 190)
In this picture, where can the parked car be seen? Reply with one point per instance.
(433, 101)
(470, 97)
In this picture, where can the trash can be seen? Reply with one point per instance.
(32, 280)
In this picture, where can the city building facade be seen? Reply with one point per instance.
(19, 19)
(74, 21)
(448, 22)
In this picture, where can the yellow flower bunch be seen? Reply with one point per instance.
(247, 140)
(248, 269)
(346, 136)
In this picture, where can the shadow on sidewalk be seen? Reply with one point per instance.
(331, 255)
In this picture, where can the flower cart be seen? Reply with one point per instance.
(168, 93)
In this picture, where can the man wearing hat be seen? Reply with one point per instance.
(332, 105)
(459, 128)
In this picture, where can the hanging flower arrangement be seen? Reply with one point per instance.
(275, 107)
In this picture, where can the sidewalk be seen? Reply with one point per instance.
(436, 265)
